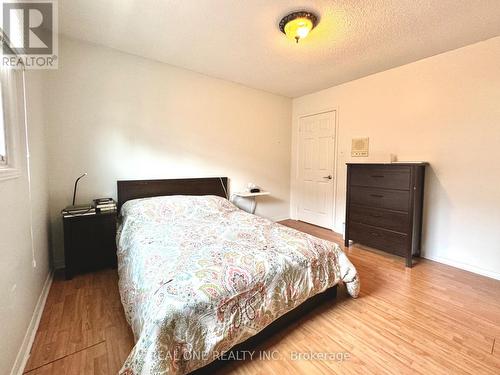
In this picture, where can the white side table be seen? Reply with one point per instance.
(247, 201)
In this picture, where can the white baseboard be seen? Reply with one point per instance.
(463, 266)
(25, 350)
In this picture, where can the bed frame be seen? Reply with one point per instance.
(135, 189)
(273, 332)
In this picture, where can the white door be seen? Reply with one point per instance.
(316, 169)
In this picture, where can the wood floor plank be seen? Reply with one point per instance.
(91, 361)
(431, 318)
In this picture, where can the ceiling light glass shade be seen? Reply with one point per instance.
(298, 28)
(297, 25)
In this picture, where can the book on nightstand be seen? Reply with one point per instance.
(104, 205)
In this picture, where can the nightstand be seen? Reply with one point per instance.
(89, 241)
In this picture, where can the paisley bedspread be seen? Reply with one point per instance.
(197, 276)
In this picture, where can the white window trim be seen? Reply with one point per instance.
(13, 137)
(11, 169)
(9, 173)
(3, 133)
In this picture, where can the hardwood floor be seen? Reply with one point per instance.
(83, 328)
(429, 319)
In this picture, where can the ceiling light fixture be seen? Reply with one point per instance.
(297, 25)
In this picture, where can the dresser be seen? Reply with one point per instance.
(384, 207)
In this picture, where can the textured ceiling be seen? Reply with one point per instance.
(239, 40)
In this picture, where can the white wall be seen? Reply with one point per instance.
(118, 116)
(445, 110)
(21, 282)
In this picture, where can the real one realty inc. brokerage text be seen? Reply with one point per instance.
(262, 355)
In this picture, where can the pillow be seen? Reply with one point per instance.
(162, 208)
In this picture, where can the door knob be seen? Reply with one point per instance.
(328, 177)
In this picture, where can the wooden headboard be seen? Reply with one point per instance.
(135, 189)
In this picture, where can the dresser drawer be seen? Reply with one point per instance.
(392, 242)
(383, 177)
(390, 199)
(380, 218)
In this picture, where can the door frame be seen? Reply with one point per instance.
(298, 197)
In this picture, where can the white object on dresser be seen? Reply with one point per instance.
(246, 200)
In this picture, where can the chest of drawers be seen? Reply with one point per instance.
(384, 207)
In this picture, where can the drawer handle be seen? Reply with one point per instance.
(377, 195)
(378, 176)
(375, 215)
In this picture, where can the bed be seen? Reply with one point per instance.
(198, 276)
